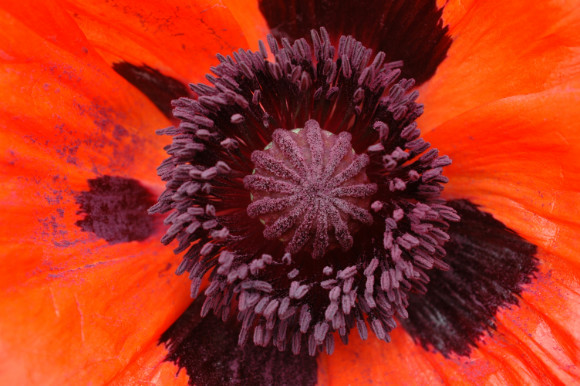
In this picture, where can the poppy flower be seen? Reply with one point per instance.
(89, 292)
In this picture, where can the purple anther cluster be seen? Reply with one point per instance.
(301, 189)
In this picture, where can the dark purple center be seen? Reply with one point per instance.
(310, 188)
(303, 186)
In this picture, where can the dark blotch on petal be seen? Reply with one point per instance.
(411, 31)
(489, 265)
(160, 89)
(208, 350)
(116, 209)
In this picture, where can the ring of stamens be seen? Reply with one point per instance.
(286, 299)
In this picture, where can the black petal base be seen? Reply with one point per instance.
(489, 265)
(208, 350)
(115, 209)
(159, 88)
(411, 31)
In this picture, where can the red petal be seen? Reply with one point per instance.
(518, 157)
(502, 49)
(74, 308)
(178, 39)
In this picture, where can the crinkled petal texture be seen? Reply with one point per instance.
(525, 171)
(74, 308)
(502, 49)
(518, 157)
(178, 38)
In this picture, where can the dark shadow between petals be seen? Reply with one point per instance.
(159, 88)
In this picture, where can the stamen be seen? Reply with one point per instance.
(304, 187)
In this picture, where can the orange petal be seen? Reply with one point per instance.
(518, 158)
(250, 20)
(74, 308)
(85, 312)
(454, 10)
(180, 40)
(542, 334)
(151, 368)
(503, 49)
(63, 104)
(375, 362)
